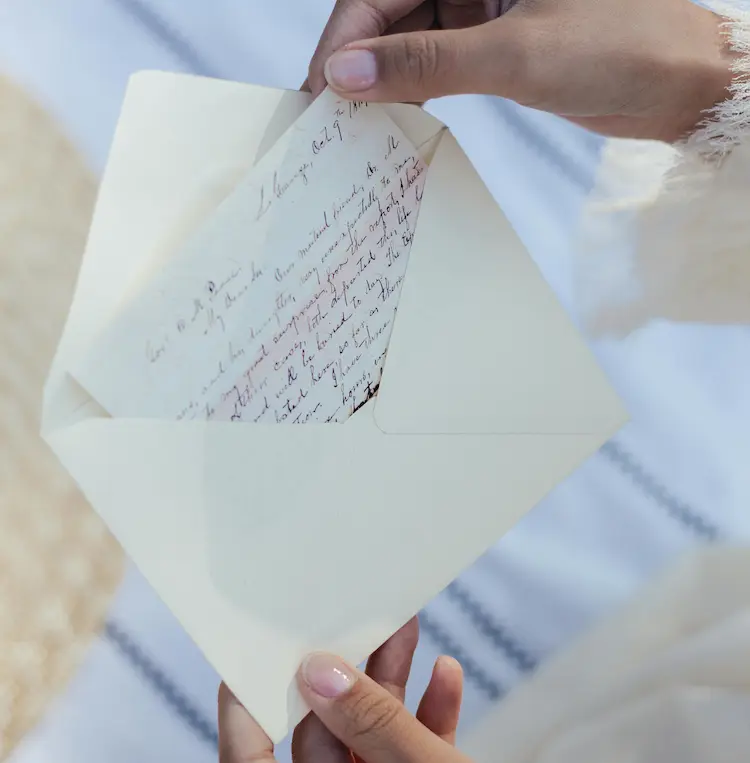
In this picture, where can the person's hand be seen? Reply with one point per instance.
(358, 714)
(626, 68)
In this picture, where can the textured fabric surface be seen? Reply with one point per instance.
(673, 479)
(665, 232)
(667, 678)
(59, 567)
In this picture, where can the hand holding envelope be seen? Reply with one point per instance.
(269, 541)
(356, 713)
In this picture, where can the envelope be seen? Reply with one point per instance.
(266, 541)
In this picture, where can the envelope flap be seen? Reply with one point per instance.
(240, 532)
(480, 343)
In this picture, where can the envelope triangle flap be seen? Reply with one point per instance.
(252, 535)
(480, 344)
(419, 126)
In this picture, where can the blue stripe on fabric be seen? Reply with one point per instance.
(162, 31)
(448, 645)
(678, 510)
(498, 636)
(205, 730)
(158, 680)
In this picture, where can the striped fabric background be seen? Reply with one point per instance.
(672, 479)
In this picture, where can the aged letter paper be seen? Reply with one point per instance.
(281, 306)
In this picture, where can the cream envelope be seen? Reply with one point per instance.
(268, 542)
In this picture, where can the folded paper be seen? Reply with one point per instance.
(268, 541)
(281, 306)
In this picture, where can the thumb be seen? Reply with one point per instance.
(492, 58)
(363, 715)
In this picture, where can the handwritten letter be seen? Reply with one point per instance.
(280, 308)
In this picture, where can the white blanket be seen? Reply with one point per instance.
(672, 479)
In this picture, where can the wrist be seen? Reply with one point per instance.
(708, 79)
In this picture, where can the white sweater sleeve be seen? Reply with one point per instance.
(666, 229)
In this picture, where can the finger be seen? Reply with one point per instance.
(455, 14)
(422, 17)
(365, 716)
(305, 86)
(390, 665)
(495, 58)
(241, 739)
(497, 8)
(354, 20)
(493, 8)
(440, 707)
(504, 5)
(312, 742)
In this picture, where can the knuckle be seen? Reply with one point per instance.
(371, 715)
(420, 61)
(372, 9)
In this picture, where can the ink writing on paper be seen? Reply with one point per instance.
(282, 311)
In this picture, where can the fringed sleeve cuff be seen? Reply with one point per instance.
(666, 229)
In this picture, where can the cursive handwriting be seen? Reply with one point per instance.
(286, 317)
(279, 187)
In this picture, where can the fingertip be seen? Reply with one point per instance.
(390, 665)
(351, 70)
(450, 676)
(399, 68)
(324, 677)
(240, 736)
(410, 633)
(440, 708)
(316, 84)
(227, 701)
(225, 694)
(450, 666)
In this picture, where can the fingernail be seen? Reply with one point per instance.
(351, 70)
(327, 675)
